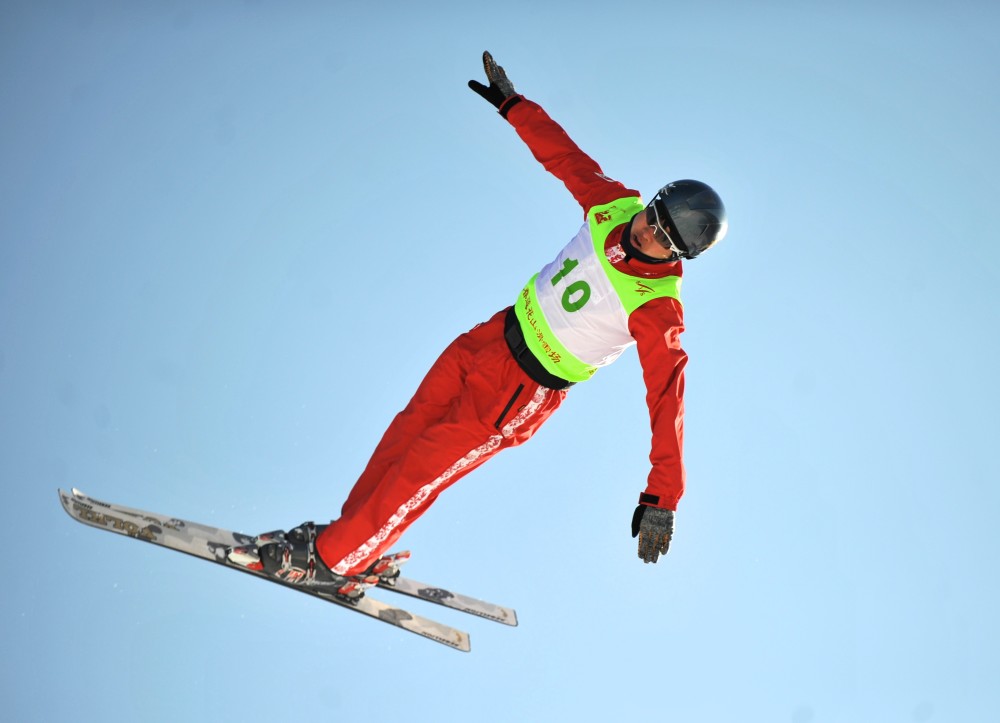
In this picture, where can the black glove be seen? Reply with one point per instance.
(654, 527)
(500, 87)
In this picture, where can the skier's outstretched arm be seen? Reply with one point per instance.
(663, 362)
(548, 142)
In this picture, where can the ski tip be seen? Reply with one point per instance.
(64, 500)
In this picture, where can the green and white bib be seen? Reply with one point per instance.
(574, 312)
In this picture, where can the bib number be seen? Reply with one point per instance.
(577, 293)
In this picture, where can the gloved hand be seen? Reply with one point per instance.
(654, 528)
(500, 87)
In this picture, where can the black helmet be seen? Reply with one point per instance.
(690, 214)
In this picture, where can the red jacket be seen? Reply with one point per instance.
(656, 326)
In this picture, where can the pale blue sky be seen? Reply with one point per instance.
(236, 234)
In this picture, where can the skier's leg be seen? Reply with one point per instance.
(432, 463)
(438, 393)
(497, 407)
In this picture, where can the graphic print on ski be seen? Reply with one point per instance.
(211, 543)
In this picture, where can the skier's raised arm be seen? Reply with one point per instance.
(548, 142)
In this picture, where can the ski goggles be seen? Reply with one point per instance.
(663, 230)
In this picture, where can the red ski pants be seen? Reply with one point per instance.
(474, 402)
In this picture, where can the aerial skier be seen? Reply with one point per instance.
(614, 285)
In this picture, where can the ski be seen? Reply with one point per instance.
(212, 544)
(453, 600)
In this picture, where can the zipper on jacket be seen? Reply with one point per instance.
(517, 393)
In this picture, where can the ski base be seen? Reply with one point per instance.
(453, 600)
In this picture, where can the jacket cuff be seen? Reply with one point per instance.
(509, 103)
(653, 501)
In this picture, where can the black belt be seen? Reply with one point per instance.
(525, 358)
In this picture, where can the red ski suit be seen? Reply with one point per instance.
(478, 399)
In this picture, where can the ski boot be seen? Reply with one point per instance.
(291, 558)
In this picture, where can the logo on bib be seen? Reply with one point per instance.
(615, 253)
(642, 289)
(602, 216)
